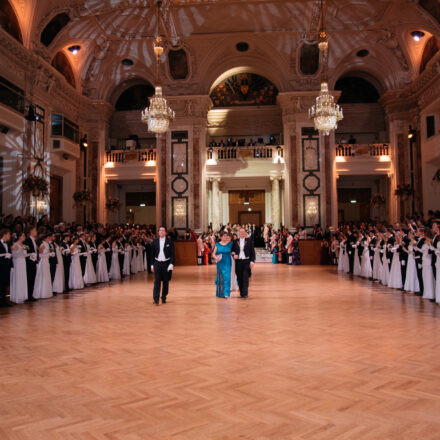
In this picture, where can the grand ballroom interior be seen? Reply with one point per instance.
(195, 114)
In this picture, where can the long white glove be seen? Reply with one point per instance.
(170, 267)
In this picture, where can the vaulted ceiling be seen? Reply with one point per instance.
(109, 31)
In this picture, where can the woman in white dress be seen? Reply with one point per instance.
(89, 273)
(411, 280)
(134, 257)
(140, 256)
(101, 266)
(395, 279)
(76, 280)
(59, 280)
(437, 276)
(428, 275)
(385, 272)
(43, 280)
(366, 270)
(357, 261)
(127, 253)
(341, 254)
(377, 263)
(115, 271)
(18, 287)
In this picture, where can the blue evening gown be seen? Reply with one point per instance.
(223, 280)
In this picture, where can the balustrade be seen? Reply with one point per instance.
(374, 150)
(231, 153)
(120, 156)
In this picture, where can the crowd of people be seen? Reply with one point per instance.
(39, 260)
(405, 256)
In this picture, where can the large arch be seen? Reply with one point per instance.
(54, 27)
(9, 20)
(62, 64)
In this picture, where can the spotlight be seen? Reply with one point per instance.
(83, 143)
(411, 133)
(74, 49)
(417, 35)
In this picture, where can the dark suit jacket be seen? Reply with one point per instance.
(5, 263)
(168, 249)
(248, 250)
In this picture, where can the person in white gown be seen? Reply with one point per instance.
(127, 253)
(76, 280)
(89, 274)
(377, 263)
(140, 256)
(341, 255)
(366, 270)
(395, 279)
(427, 273)
(411, 280)
(385, 269)
(437, 273)
(18, 288)
(43, 280)
(133, 261)
(101, 265)
(115, 271)
(59, 280)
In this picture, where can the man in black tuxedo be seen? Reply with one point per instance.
(244, 255)
(65, 250)
(418, 256)
(5, 266)
(31, 261)
(351, 240)
(52, 256)
(163, 257)
(82, 250)
(403, 255)
(107, 245)
(435, 240)
(94, 250)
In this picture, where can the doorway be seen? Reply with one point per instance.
(247, 206)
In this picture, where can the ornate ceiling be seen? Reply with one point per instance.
(109, 31)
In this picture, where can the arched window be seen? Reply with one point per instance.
(9, 21)
(62, 64)
(356, 90)
(53, 28)
(135, 97)
(244, 89)
(431, 48)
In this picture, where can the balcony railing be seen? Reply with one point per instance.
(121, 156)
(374, 150)
(245, 153)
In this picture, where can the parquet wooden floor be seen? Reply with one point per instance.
(309, 356)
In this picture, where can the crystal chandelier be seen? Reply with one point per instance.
(159, 114)
(325, 113)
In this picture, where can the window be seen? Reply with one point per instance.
(64, 127)
(11, 95)
(430, 126)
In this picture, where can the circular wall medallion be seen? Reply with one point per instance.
(311, 183)
(179, 185)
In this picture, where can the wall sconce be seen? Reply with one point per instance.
(83, 143)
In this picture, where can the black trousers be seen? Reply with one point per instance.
(403, 269)
(5, 273)
(83, 261)
(351, 261)
(66, 263)
(121, 263)
(31, 273)
(53, 268)
(242, 269)
(161, 277)
(420, 274)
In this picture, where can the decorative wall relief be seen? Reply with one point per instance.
(311, 177)
(179, 180)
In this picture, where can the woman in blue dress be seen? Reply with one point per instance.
(222, 256)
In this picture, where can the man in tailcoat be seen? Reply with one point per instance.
(244, 255)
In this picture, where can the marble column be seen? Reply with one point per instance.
(276, 211)
(215, 204)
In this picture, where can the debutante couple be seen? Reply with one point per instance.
(233, 258)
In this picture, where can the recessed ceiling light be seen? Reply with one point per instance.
(362, 53)
(127, 62)
(242, 46)
(417, 35)
(74, 49)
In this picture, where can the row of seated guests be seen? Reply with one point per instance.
(41, 263)
(405, 257)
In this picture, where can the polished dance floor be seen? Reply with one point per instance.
(310, 355)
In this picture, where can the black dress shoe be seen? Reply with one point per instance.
(418, 294)
(31, 300)
(164, 300)
(156, 303)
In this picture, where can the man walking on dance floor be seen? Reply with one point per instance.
(244, 255)
(163, 258)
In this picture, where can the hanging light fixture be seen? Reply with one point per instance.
(325, 113)
(159, 114)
